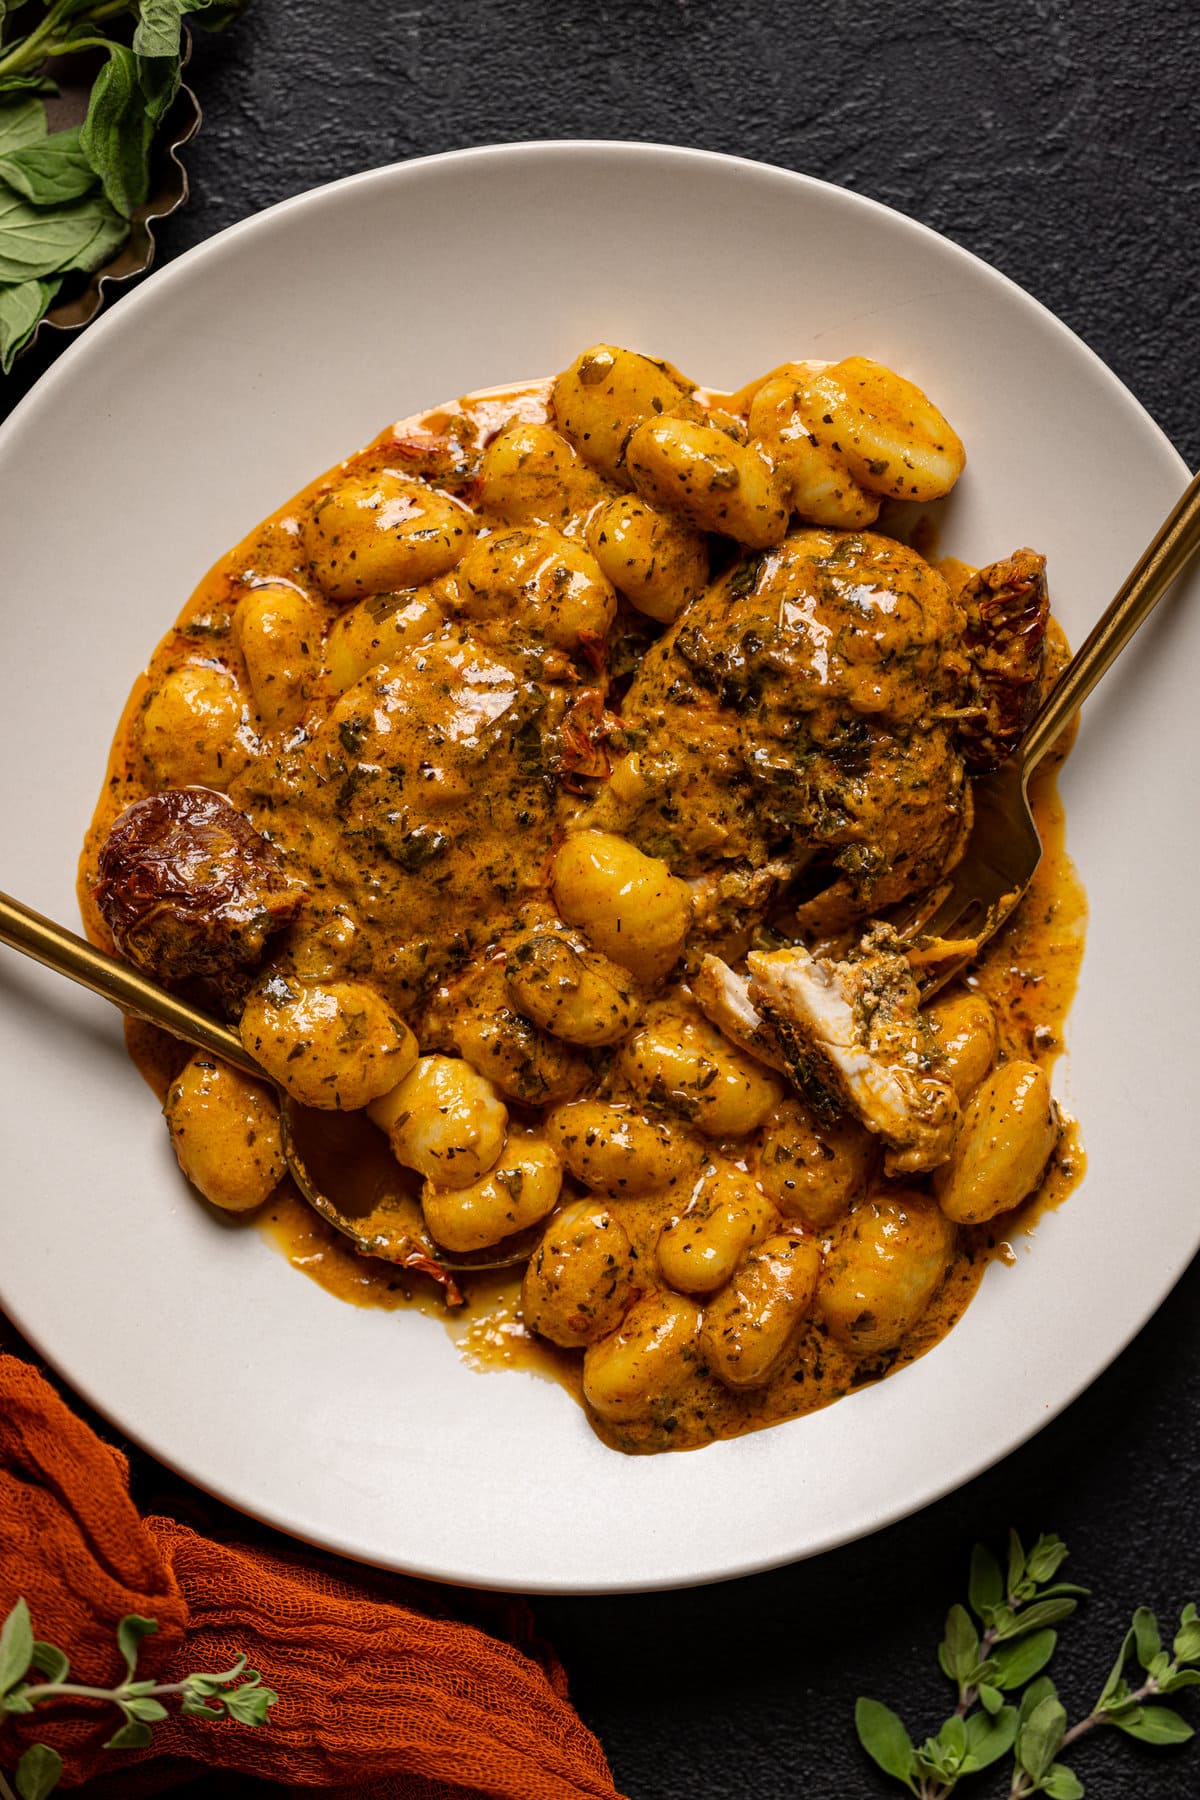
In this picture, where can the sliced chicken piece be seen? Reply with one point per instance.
(853, 1031)
(724, 998)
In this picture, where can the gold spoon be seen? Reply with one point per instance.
(339, 1161)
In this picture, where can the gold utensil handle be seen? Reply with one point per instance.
(1162, 563)
(59, 949)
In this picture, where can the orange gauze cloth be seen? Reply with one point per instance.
(384, 1692)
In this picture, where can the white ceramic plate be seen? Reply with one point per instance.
(205, 399)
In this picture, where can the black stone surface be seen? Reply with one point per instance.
(1059, 142)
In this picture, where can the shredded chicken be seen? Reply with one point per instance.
(724, 998)
(851, 1032)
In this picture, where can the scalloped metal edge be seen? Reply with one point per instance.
(136, 255)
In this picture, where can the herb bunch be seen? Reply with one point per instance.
(67, 197)
(995, 1660)
(201, 1696)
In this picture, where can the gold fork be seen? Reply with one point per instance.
(945, 927)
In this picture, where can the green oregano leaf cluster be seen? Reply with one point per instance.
(994, 1651)
(235, 1693)
(67, 197)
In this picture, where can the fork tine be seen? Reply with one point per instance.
(945, 928)
(964, 911)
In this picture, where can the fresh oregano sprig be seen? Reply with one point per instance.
(1000, 1652)
(235, 1693)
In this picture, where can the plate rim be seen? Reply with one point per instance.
(167, 274)
(160, 285)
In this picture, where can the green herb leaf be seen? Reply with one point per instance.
(50, 1661)
(1187, 1638)
(1040, 1736)
(1146, 1636)
(958, 1653)
(51, 171)
(214, 15)
(1045, 1559)
(110, 233)
(133, 1735)
(158, 77)
(22, 122)
(158, 27)
(1020, 1662)
(988, 1739)
(1035, 1618)
(1035, 1693)
(986, 1587)
(928, 1764)
(250, 1705)
(130, 1632)
(115, 136)
(1016, 1562)
(36, 244)
(22, 304)
(32, 83)
(1062, 1783)
(15, 1702)
(952, 1741)
(199, 1709)
(1109, 1691)
(1179, 1678)
(990, 1698)
(884, 1737)
(1154, 1725)
(208, 1681)
(16, 1647)
(38, 1772)
(148, 1711)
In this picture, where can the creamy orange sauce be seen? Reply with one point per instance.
(1029, 973)
(460, 862)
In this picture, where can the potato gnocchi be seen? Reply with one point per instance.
(539, 781)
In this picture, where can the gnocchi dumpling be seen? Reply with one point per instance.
(582, 1278)
(606, 393)
(335, 1045)
(225, 1132)
(886, 1261)
(279, 632)
(892, 438)
(716, 482)
(617, 1149)
(1009, 1129)
(643, 1363)
(193, 728)
(653, 557)
(540, 582)
(520, 1188)
(370, 534)
(445, 1120)
(699, 1249)
(629, 904)
(750, 1326)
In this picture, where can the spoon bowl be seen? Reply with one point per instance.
(343, 1167)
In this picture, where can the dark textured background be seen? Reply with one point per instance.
(1060, 143)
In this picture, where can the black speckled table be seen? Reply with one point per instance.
(1060, 142)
